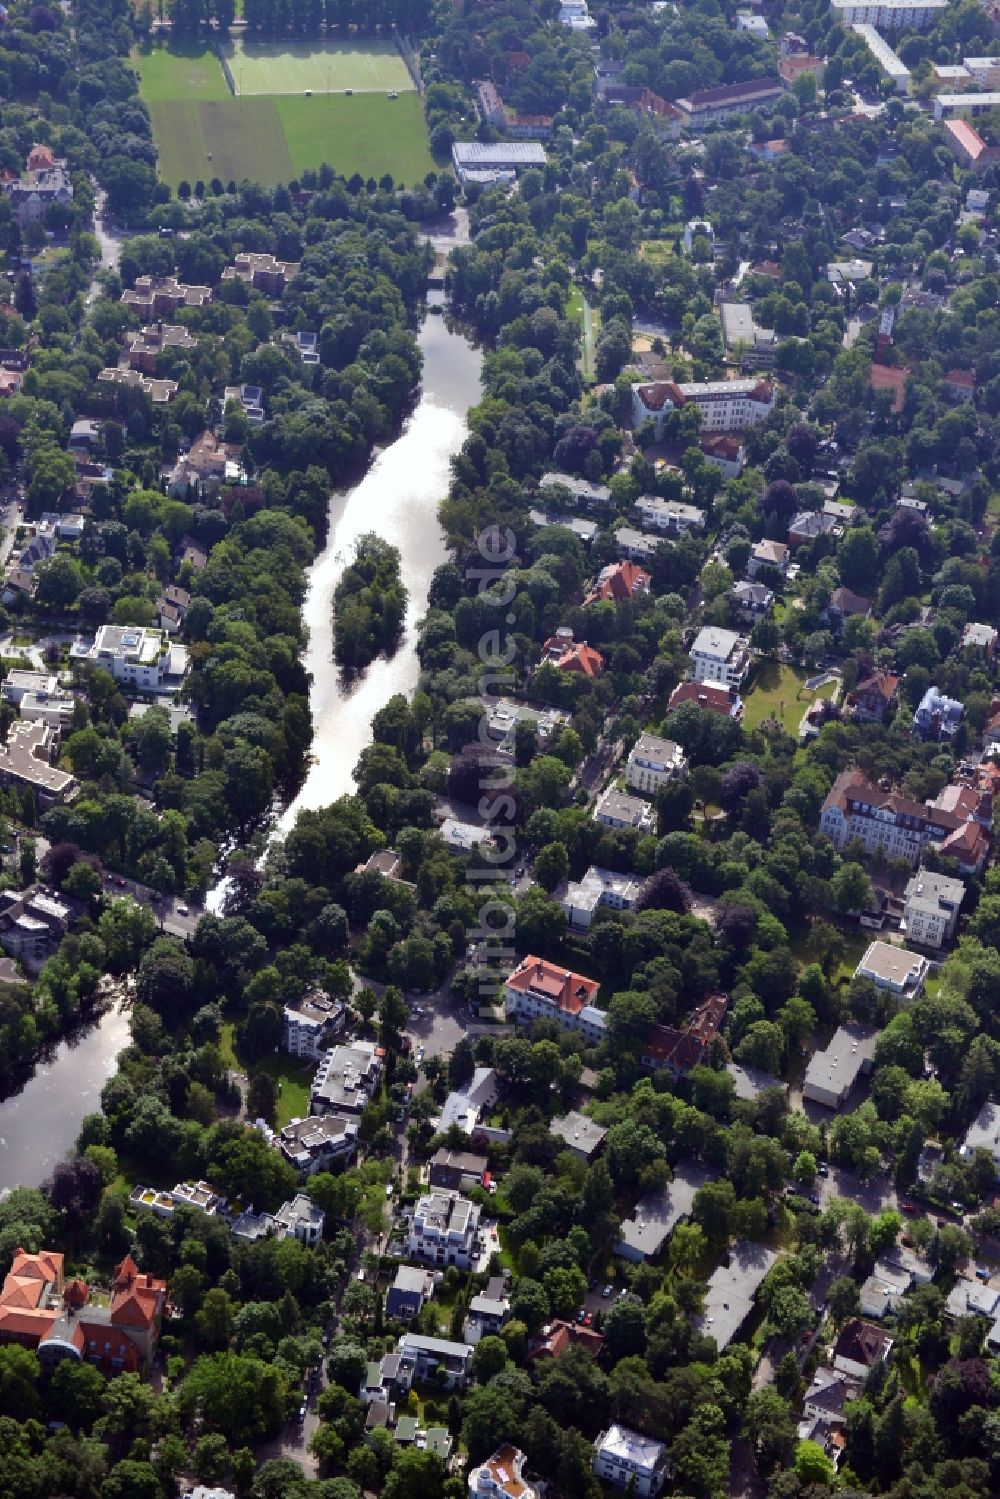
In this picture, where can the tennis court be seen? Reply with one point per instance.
(275, 68)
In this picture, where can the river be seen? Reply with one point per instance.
(39, 1125)
(398, 498)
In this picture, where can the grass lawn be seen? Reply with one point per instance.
(656, 252)
(778, 692)
(292, 1075)
(323, 67)
(368, 134)
(275, 140)
(294, 1079)
(229, 138)
(179, 72)
(590, 322)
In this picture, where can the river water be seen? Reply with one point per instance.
(397, 498)
(39, 1125)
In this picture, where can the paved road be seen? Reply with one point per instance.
(167, 909)
(10, 516)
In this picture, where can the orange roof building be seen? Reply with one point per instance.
(556, 1337)
(886, 377)
(968, 146)
(619, 581)
(539, 990)
(678, 1049)
(41, 159)
(706, 695)
(567, 654)
(39, 1311)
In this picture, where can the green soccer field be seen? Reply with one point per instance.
(318, 67)
(275, 140)
(178, 72)
(368, 134)
(231, 139)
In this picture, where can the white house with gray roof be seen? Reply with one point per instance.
(931, 903)
(984, 1134)
(444, 1229)
(894, 968)
(628, 1459)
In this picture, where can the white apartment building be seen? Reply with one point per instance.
(884, 820)
(52, 708)
(931, 906)
(743, 339)
(626, 1458)
(319, 1141)
(599, 887)
(909, 15)
(889, 967)
(968, 104)
(17, 684)
(583, 493)
(139, 657)
(892, 66)
(431, 1360)
(614, 809)
(444, 1229)
(725, 405)
(501, 1476)
(753, 24)
(653, 762)
(671, 516)
(309, 1025)
(720, 656)
(346, 1079)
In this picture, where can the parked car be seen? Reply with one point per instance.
(607, 1291)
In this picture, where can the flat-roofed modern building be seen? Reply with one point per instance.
(833, 1072)
(656, 1215)
(931, 906)
(731, 1291)
(742, 338)
(599, 887)
(892, 66)
(893, 968)
(720, 656)
(966, 103)
(653, 762)
(479, 161)
(909, 15)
